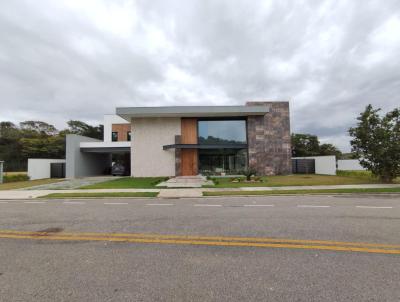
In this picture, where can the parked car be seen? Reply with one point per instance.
(118, 169)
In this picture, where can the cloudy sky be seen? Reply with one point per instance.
(75, 59)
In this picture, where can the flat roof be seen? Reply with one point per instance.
(191, 111)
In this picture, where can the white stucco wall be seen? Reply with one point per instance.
(325, 165)
(39, 168)
(349, 165)
(109, 120)
(149, 136)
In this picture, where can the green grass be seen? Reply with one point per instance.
(294, 192)
(127, 183)
(28, 183)
(347, 178)
(100, 194)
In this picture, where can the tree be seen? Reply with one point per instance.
(81, 128)
(35, 128)
(376, 141)
(305, 145)
(329, 149)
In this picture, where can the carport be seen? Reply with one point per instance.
(86, 156)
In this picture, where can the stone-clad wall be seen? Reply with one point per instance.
(269, 139)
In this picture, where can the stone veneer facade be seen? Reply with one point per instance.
(268, 139)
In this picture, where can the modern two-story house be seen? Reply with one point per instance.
(188, 140)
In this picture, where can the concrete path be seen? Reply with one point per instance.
(181, 192)
(72, 183)
(186, 182)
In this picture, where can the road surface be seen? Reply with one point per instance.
(282, 248)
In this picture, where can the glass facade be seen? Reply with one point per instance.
(222, 160)
(217, 161)
(222, 132)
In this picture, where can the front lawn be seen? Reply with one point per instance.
(294, 192)
(127, 183)
(28, 183)
(298, 180)
(101, 194)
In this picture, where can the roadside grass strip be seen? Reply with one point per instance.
(299, 192)
(99, 195)
(248, 242)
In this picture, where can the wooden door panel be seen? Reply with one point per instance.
(189, 162)
(189, 156)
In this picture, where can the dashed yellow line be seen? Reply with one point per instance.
(209, 241)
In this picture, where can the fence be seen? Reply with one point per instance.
(303, 166)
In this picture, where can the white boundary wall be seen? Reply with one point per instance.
(325, 165)
(349, 165)
(39, 168)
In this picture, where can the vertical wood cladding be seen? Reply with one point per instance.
(269, 139)
(122, 130)
(189, 157)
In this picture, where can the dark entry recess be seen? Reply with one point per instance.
(57, 170)
(303, 166)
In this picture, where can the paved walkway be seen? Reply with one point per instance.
(186, 182)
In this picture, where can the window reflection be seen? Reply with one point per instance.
(222, 132)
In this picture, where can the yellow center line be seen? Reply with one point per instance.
(208, 243)
(203, 238)
(184, 240)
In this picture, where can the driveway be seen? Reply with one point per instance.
(72, 183)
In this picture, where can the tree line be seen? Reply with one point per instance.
(37, 139)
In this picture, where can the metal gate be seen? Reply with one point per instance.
(57, 170)
(303, 166)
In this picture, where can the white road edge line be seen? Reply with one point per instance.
(38, 202)
(373, 207)
(74, 202)
(1, 202)
(208, 205)
(311, 206)
(115, 203)
(159, 204)
(258, 205)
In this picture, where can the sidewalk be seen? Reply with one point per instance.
(178, 193)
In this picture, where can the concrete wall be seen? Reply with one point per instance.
(109, 120)
(81, 164)
(39, 168)
(349, 165)
(323, 164)
(149, 136)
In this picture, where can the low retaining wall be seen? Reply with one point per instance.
(39, 168)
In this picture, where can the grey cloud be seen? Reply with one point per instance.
(62, 60)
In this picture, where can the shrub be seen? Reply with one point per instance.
(249, 173)
(15, 178)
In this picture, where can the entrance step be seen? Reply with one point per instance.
(186, 182)
(180, 193)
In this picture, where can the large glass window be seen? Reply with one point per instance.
(222, 132)
(218, 161)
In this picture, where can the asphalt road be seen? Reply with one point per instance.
(158, 268)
